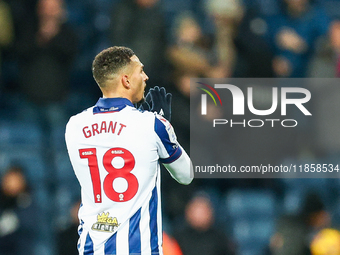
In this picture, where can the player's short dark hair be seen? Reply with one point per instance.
(109, 62)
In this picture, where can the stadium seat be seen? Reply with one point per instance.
(31, 161)
(250, 203)
(64, 170)
(68, 188)
(46, 207)
(58, 138)
(297, 188)
(20, 135)
(252, 216)
(66, 195)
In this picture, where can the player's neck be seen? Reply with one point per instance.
(116, 95)
(116, 91)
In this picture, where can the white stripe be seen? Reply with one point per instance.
(204, 104)
(98, 249)
(159, 214)
(82, 241)
(123, 239)
(145, 229)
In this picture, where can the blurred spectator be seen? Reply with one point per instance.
(254, 54)
(226, 16)
(265, 7)
(170, 246)
(68, 237)
(175, 195)
(192, 54)
(199, 235)
(324, 62)
(293, 34)
(18, 215)
(326, 242)
(294, 233)
(326, 123)
(45, 58)
(6, 28)
(140, 25)
(327, 96)
(24, 18)
(335, 44)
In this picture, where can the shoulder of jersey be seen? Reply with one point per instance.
(154, 116)
(147, 114)
(161, 118)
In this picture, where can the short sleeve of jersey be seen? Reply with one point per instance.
(168, 147)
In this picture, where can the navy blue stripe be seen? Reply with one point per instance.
(153, 221)
(107, 105)
(97, 110)
(80, 230)
(160, 130)
(110, 245)
(113, 102)
(134, 233)
(173, 157)
(88, 248)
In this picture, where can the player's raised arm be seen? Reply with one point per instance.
(172, 155)
(181, 169)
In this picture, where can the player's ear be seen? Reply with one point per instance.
(125, 81)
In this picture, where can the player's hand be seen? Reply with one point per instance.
(159, 101)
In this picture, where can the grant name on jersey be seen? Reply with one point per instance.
(103, 127)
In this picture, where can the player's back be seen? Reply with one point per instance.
(114, 154)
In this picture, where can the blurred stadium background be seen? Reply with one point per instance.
(47, 47)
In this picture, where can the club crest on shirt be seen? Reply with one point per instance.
(169, 129)
(172, 135)
(105, 223)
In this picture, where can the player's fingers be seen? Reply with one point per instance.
(168, 98)
(162, 91)
(156, 88)
(156, 101)
(155, 95)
